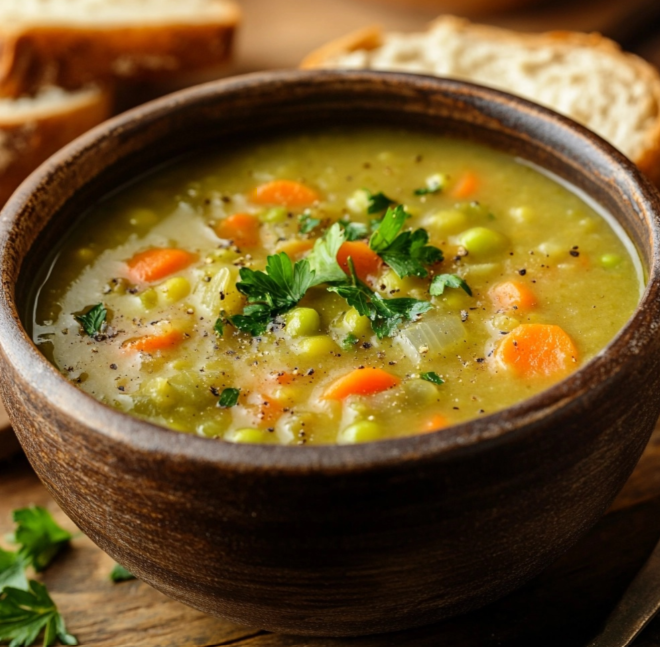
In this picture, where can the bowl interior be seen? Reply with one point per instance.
(222, 114)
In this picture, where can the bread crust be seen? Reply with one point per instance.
(27, 140)
(72, 56)
(648, 159)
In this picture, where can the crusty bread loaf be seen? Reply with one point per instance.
(584, 76)
(32, 129)
(71, 43)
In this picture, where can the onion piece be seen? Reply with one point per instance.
(432, 336)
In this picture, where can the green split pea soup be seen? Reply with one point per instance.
(334, 287)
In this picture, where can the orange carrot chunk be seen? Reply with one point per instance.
(537, 350)
(241, 228)
(364, 381)
(153, 343)
(435, 422)
(367, 263)
(296, 249)
(287, 193)
(512, 295)
(466, 185)
(155, 264)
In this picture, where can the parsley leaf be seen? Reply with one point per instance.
(93, 320)
(229, 398)
(386, 315)
(406, 253)
(389, 228)
(433, 377)
(219, 327)
(271, 293)
(323, 258)
(378, 202)
(121, 574)
(354, 230)
(442, 281)
(349, 341)
(308, 224)
(12, 570)
(39, 537)
(25, 614)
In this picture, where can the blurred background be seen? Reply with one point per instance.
(279, 33)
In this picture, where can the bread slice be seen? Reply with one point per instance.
(33, 128)
(584, 76)
(71, 43)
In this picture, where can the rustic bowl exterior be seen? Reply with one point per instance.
(333, 540)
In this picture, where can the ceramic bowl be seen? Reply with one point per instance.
(333, 540)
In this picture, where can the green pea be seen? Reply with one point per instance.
(273, 215)
(420, 392)
(316, 347)
(302, 322)
(356, 323)
(610, 261)
(174, 289)
(247, 435)
(363, 431)
(448, 221)
(482, 241)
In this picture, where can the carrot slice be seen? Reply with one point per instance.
(537, 350)
(367, 263)
(435, 422)
(241, 228)
(296, 249)
(153, 343)
(287, 193)
(466, 185)
(155, 264)
(512, 295)
(364, 381)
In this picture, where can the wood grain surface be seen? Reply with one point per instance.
(561, 608)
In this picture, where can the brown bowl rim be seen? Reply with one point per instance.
(474, 435)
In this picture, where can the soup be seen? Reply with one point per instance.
(335, 287)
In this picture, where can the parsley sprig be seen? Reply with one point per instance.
(92, 322)
(442, 281)
(407, 252)
(26, 609)
(25, 614)
(271, 293)
(386, 315)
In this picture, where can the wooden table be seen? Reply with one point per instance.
(564, 606)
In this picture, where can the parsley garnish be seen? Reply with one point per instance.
(93, 320)
(121, 574)
(323, 258)
(308, 224)
(229, 398)
(25, 614)
(12, 570)
(433, 377)
(349, 341)
(271, 293)
(39, 537)
(378, 202)
(443, 281)
(354, 230)
(386, 315)
(219, 327)
(406, 253)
